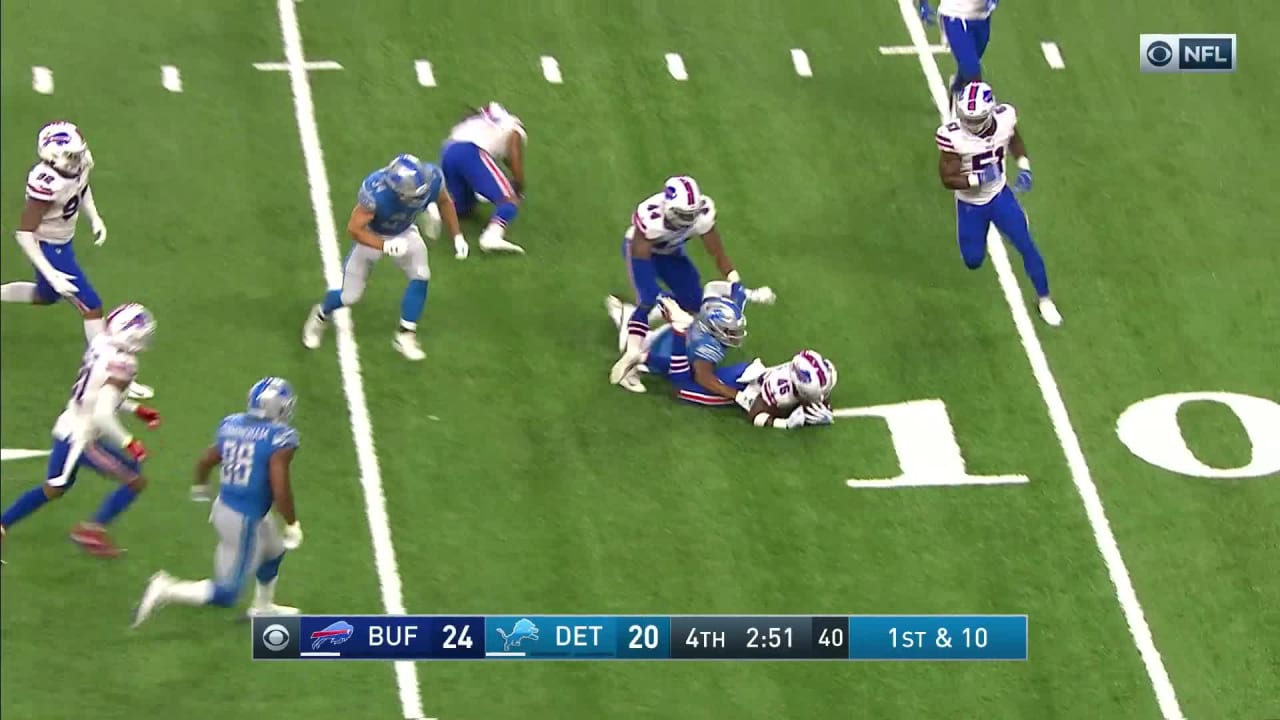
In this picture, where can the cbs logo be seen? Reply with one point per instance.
(275, 637)
(1159, 53)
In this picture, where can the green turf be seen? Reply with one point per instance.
(518, 481)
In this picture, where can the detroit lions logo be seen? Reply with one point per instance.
(524, 629)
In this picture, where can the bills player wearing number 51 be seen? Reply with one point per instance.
(391, 202)
(255, 449)
(57, 190)
(88, 435)
(973, 149)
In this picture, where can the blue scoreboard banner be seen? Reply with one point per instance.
(641, 637)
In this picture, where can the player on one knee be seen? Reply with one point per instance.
(89, 435)
(653, 248)
(469, 159)
(384, 222)
(972, 163)
(254, 450)
(57, 190)
(967, 26)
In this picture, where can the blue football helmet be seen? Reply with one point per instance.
(272, 398)
(413, 179)
(724, 320)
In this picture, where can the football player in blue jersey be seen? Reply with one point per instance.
(254, 449)
(967, 27)
(384, 222)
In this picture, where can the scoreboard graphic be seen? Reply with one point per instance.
(646, 637)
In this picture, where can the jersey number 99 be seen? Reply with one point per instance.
(237, 462)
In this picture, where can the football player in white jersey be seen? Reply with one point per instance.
(972, 163)
(57, 190)
(786, 396)
(89, 435)
(469, 159)
(653, 248)
(967, 27)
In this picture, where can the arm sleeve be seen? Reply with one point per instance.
(104, 416)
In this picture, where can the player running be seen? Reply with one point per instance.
(470, 158)
(254, 449)
(971, 163)
(653, 248)
(785, 396)
(89, 435)
(967, 26)
(57, 190)
(384, 222)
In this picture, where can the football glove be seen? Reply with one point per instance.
(1023, 183)
(395, 247)
(926, 12)
(460, 247)
(989, 173)
(761, 295)
(99, 232)
(818, 415)
(136, 449)
(292, 536)
(744, 400)
(150, 416)
(62, 283)
(796, 419)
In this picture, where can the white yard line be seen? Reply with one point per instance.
(1104, 538)
(800, 59)
(551, 70)
(675, 66)
(42, 80)
(1052, 55)
(171, 78)
(384, 554)
(426, 77)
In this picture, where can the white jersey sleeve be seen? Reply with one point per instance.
(64, 195)
(706, 221)
(977, 152)
(647, 219)
(102, 363)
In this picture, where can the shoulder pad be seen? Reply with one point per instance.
(368, 196)
(647, 220)
(45, 184)
(1006, 114)
(707, 348)
(708, 215)
(284, 437)
(944, 137)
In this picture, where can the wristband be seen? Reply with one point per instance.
(973, 180)
(1024, 163)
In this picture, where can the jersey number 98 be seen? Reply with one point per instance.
(237, 462)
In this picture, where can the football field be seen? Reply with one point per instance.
(1116, 479)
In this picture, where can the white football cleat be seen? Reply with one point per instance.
(406, 343)
(272, 609)
(625, 366)
(313, 329)
(138, 391)
(492, 240)
(631, 381)
(152, 597)
(1049, 312)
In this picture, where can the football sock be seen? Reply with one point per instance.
(264, 594)
(94, 327)
(504, 214)
(190, 592)
(18, 292)
(637, 328)
(27, 503)
(114, 504)
(412, 304)
(332, 301)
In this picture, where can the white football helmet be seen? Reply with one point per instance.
(62, 147)
(682, 201)
(130, 327)
(814, 376)
(974, 106)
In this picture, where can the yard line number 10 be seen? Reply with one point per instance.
(924, 440)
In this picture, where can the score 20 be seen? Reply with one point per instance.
(924, 440)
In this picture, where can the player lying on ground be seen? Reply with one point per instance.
(784, 396)
(254, 449)
(391, 202)
(971, 162)
(57, 190)
(88, 434)
(469, 159)
(653, 248)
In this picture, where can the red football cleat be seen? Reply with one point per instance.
(94, 540)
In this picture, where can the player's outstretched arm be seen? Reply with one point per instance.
(358, 228)
(32, 213)
(108, 404)
(704, 373)
(209, 459)
(952, 173)
(281, 491)
(715, 248)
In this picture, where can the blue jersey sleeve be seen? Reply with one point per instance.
(368, 198)
(286, 438)
(705, 347)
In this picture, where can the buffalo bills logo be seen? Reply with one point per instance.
(670, 192)
(59, 139)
